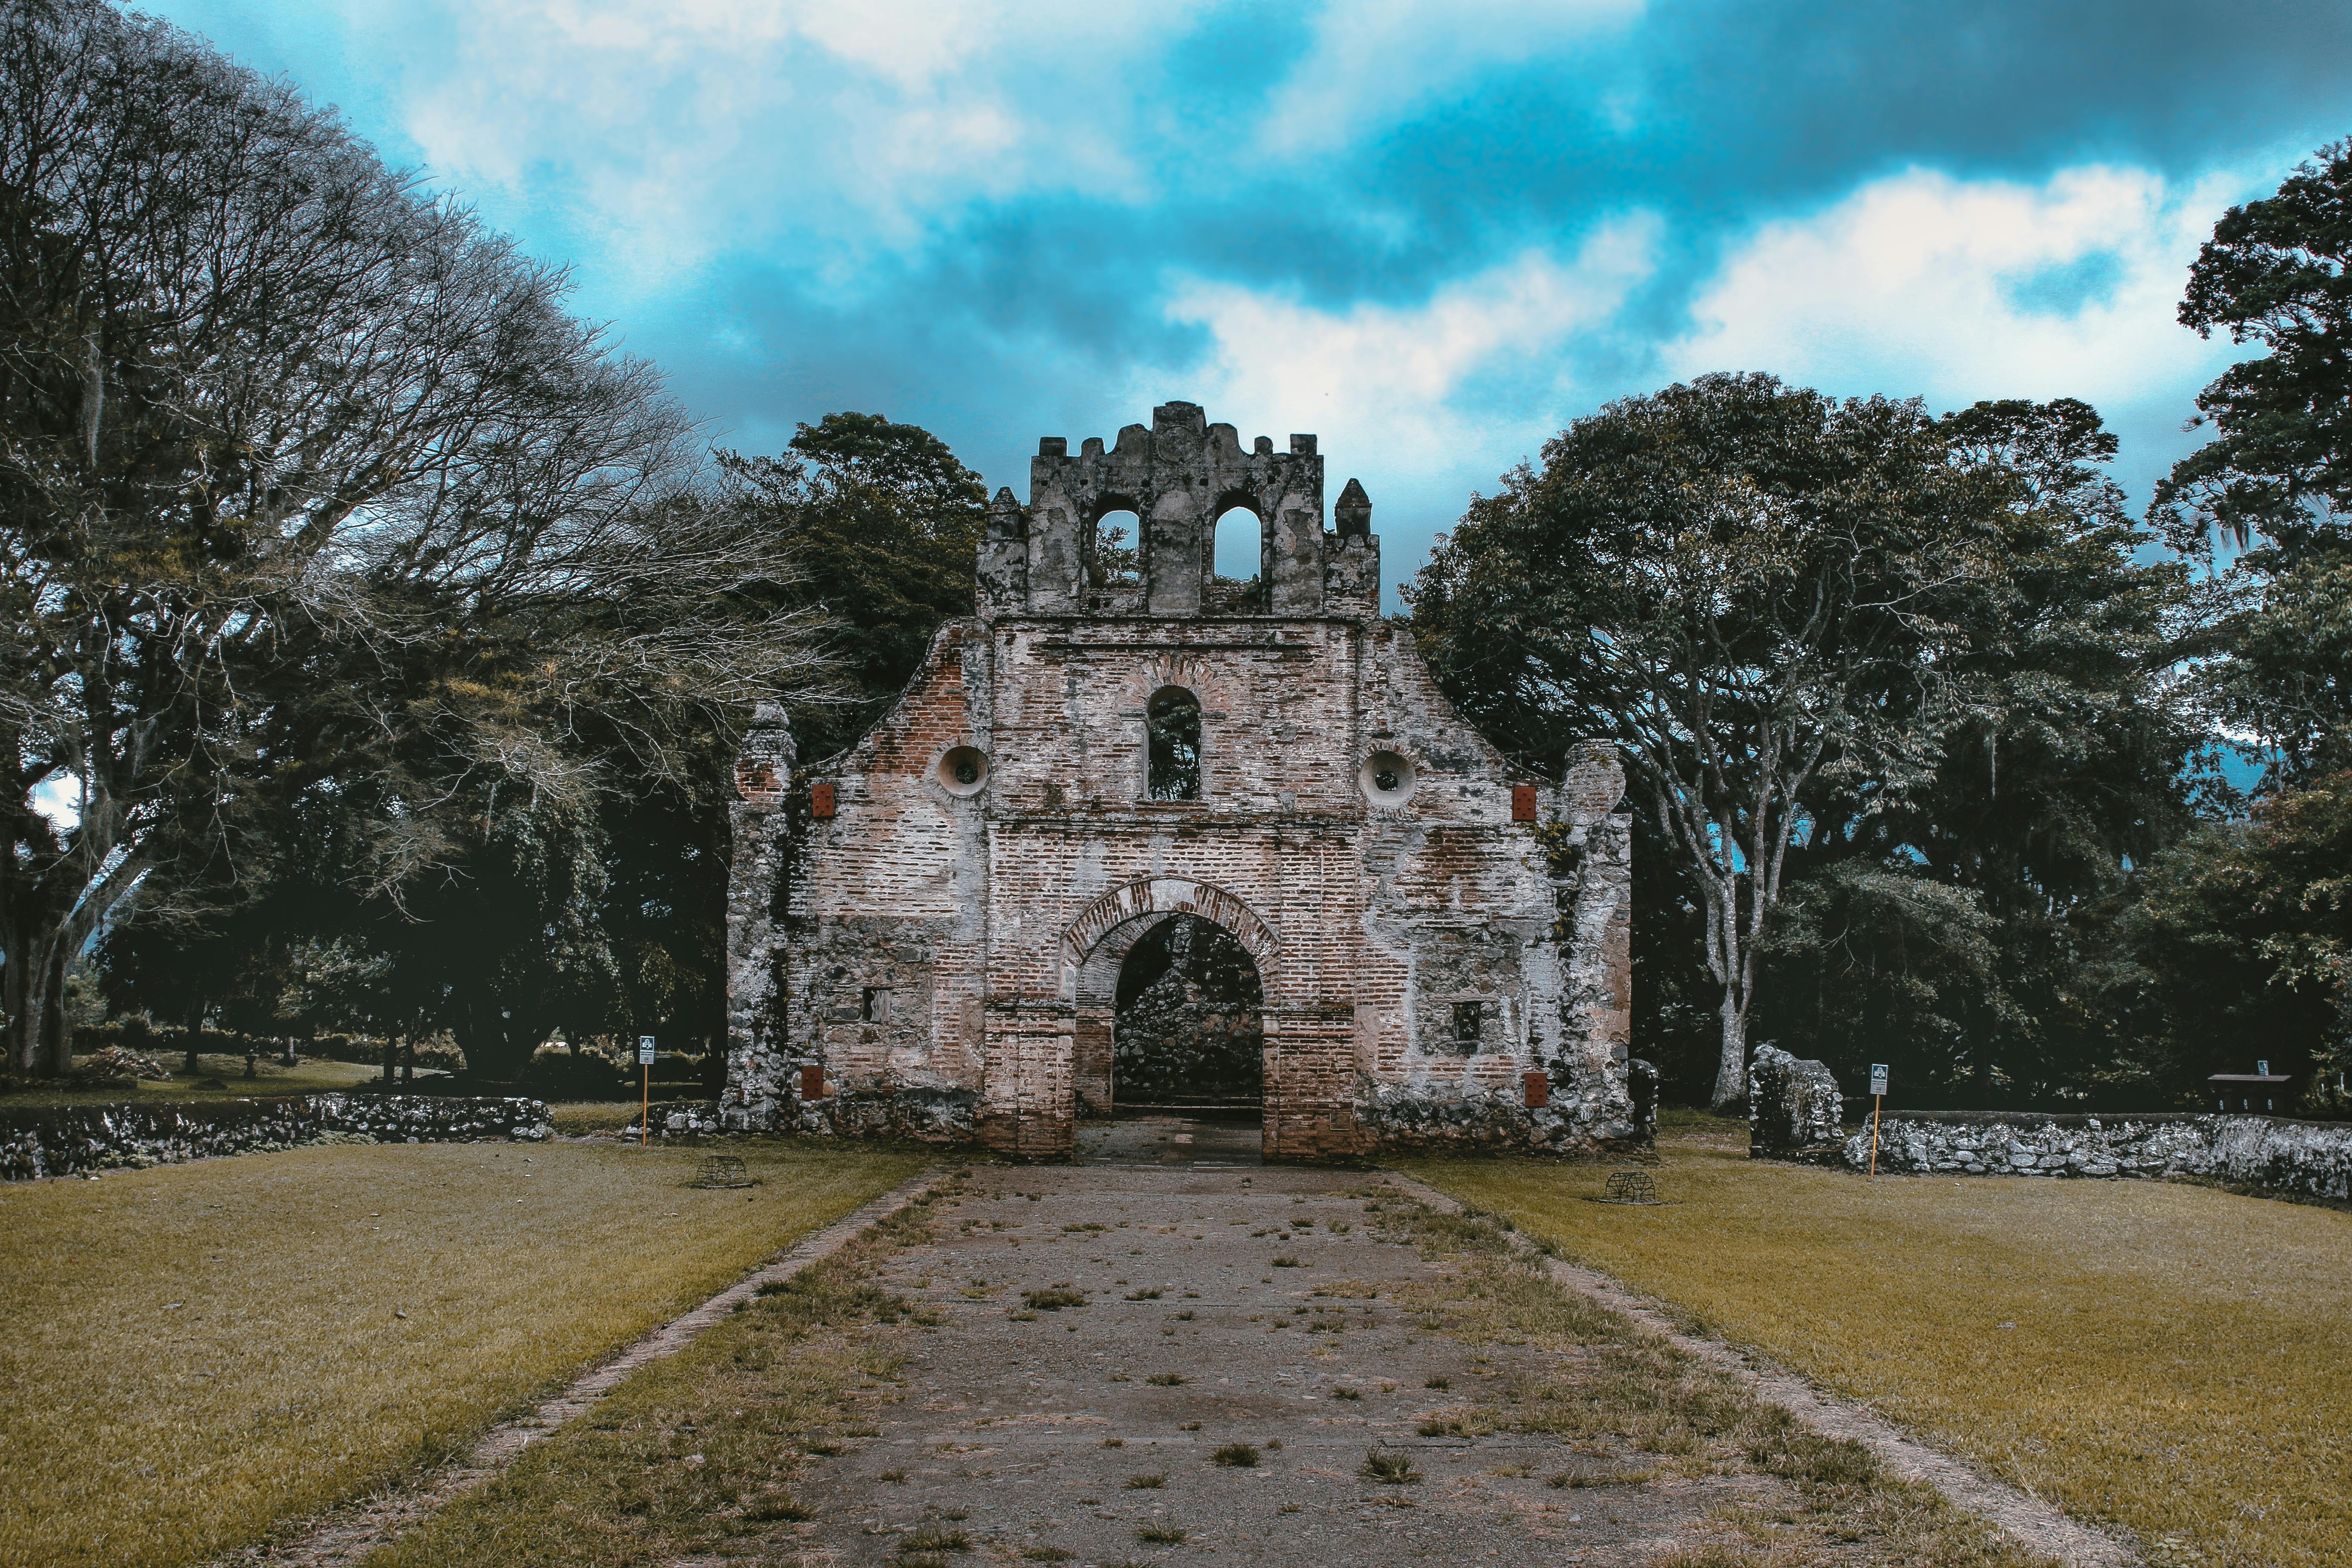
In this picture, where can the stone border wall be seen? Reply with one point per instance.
(67, 1139)
(2310, 1159)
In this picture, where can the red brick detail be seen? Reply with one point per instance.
(812, 1076)
(1538, 1086)
(755, 781)
(1523, 806)
(821, 801)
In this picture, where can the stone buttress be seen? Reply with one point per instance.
(924, 932)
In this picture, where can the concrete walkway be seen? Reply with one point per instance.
(1224, 1302)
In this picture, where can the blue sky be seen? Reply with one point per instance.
(1432, 233)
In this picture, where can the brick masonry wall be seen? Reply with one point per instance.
(1445, 963)
(63, 1141)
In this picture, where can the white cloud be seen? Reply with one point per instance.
(1961, 290)
(675, 132)
(1377, 61)
(1382, 381)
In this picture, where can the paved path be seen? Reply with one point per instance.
(1024, 1430)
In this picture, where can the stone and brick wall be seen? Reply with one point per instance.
(2308, 1158)
(63, 1141)
(924, 931)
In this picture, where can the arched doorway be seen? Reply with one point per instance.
(1194, 1000)
(1187, 1025)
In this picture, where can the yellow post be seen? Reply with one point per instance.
(645, 1109)
(1876, 1101)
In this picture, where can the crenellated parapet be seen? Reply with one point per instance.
(1178, 476)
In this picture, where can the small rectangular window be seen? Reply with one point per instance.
(1469, 1018)
(875, 1005)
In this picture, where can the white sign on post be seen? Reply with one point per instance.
(1878, 1077)
(645, 1050)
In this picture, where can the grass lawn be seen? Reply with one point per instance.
(308, 1076)
(2167, 1358)
(197, 1351)
(575, 1117)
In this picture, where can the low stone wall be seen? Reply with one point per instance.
(61, 1140)
(2312, 1159)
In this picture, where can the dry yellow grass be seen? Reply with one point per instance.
(197, 1351)
(578, 1117)
(2166, 1358)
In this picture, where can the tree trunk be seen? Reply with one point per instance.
(57, 1036)
(391, 1055)
(35, 1002)
(194, 1067)
(1731, 1071)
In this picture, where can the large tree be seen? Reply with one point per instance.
(2060, 752)
(2238, 948)
(2276, 479)
(885, 524)
(309, 484)
(1732, 579)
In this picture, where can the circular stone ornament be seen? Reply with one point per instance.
(1387, 778)
(963, 771)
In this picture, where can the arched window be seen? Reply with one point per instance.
(1172, 745)
(1117, 559)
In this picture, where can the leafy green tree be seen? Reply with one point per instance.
(319, 508)
(1727, 578)
(884, 524)
(1868, 962)
(265, 403)
(2060, 752)
(2280, 465)
(2238, 947)
(2276, 479)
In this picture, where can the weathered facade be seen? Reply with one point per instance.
(926, 931)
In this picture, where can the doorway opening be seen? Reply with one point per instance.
(1188, 1027)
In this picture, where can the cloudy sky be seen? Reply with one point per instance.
(1430, 233)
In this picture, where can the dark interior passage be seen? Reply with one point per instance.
(1188, 1029)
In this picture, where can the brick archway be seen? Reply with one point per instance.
(1166, 896)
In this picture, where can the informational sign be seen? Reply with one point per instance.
(645, 1050)
(1878, 1077)
(2263, 1068)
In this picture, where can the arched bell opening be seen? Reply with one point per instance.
(1237, 571)
(1115, 564)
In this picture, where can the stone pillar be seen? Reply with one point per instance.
(1026, 1110)
(1003, 580)
(1057, 555)
(1296, 588)
(758, 825)
(1179, 532)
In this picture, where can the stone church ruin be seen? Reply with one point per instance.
(1376, 927)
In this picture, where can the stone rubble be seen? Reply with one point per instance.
(1793, 1107)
